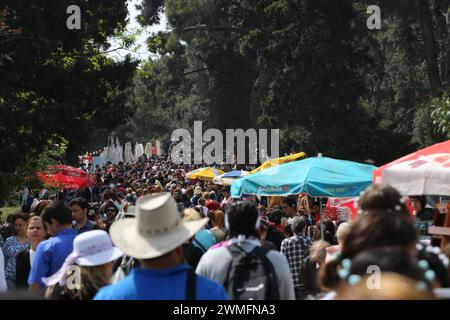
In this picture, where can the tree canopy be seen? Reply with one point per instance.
(311, 68)
(57, 84)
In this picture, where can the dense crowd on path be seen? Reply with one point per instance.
(145, 231)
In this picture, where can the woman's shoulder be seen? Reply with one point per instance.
(11, 240)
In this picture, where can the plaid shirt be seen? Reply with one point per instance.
(296, 250)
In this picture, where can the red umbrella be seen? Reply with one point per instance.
(426, 171)
(66, 177)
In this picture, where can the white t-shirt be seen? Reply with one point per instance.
(32, 255)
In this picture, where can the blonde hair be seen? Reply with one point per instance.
(191, 215)
(343, 231)
(92, 279)
(318, 251)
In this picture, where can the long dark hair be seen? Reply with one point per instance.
(382, 197)
(371, 230)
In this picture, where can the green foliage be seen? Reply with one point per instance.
(441, 115)
(309, 67)
(58, 84)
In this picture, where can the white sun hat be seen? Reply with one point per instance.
(91, 248)
(156, 230)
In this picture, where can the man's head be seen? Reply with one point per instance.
(275, 215)
(290, 206)
(298, 225)
(418, 202)
(111, 211)
(242, 218)
(56, 216)
(79, 208)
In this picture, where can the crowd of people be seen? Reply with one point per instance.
(145, 231)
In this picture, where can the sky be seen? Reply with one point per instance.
(141, 52)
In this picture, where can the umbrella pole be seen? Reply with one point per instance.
(322, 231)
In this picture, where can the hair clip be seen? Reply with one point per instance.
(430, 275)
(346, 264)
(419, 246)
(343, 273)
(424, 265)
(398, 207)
(354, 279)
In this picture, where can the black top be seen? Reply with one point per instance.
(192, 254)
(310, 277)
(425, 214)
(23, 268)
(275, 236)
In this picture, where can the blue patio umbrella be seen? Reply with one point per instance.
(318, 177)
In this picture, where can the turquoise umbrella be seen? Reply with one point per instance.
(318, 177)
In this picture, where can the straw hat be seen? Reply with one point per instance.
(156, 230)
(131, 211)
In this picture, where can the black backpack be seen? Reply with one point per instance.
(251, 276)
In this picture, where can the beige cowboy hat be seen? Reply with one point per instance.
(157, 229)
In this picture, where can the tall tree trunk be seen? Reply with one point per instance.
(259, 92)
(431, 51)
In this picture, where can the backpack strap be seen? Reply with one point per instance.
(200, 245)
(190, 285)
